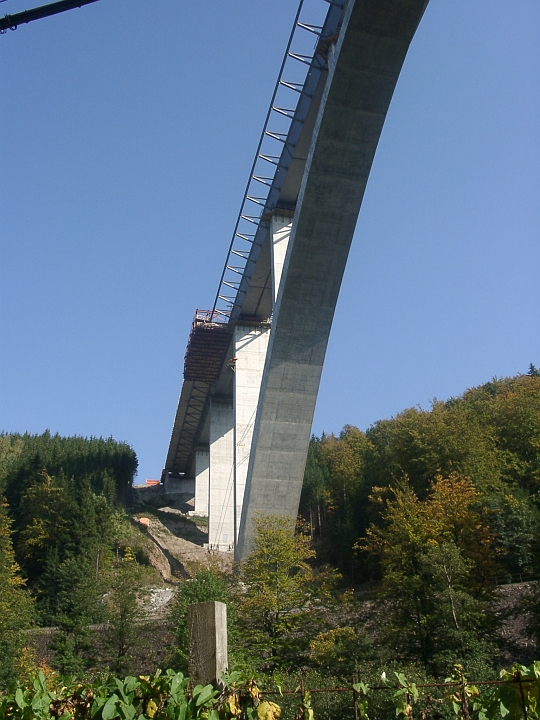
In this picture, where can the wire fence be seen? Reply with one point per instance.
(513, 698)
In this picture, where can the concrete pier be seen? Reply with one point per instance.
(202, 481)
(280, 232)
(231, 431)
(250, 342)
(207, 632)
(221, 486)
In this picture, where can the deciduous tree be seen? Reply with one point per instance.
(282, 597)
(434, 559)
(207, 584)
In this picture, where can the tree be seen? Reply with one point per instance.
(344, 459)
(76, 605)
(333, 494)
(435, 562)
(341, 650)
(10, 450)
(515, 523)
(206, 585)
(459, 626)
(109, 465)
(420, 444)
(312, 500)
(281, 601)
(516, 419)
(46, 516)
(125, 610)
(16, 607)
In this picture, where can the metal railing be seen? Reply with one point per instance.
(298, 76)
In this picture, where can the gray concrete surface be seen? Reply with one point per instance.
(207, 625)
(363, 71)
(221, 494)
(202, 481)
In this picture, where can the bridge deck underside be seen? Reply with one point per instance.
(206, 351)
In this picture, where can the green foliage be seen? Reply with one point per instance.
(62, 493)
(10, 449)
(533, 371)
(514, 521)
(517, 697)
(314, 488)
(109, 465)
(444, 502)
(361, 690)
(333, 493)
(170, 696)
(490, 434)
(281, 598)
(124, 599)
(405, 696)
(430, 554)
(16, 607)
(325, 705)
(341, 650)
(206, 585)
(162, 696)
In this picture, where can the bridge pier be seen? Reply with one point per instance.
(250, 344)
(221, 492)
(280, 232)
(232, 423)
(231, 432)
(202, 481)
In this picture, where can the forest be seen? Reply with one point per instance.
(406, 534)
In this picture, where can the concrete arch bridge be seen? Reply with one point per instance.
(254, 361)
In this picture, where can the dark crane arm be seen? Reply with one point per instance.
(10, 22)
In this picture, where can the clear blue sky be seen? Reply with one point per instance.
(128, 129)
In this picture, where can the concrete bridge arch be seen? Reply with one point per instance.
(244, 417)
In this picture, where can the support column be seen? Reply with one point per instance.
(232, 422)
(202, 481)
(250, 345)
(280, 231)
(221, 486)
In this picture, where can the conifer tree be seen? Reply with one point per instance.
(15, 605)
(125, 609)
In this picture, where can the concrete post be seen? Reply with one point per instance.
(202, 481)
(207, 626)
(221, 499)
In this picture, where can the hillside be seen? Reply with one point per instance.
(432, 519)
